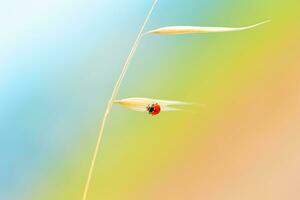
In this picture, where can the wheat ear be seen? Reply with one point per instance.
(113, 96)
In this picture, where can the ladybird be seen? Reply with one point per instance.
(153, 109)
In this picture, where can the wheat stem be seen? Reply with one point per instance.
(110, 102)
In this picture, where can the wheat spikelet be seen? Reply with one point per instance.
(141, 104)
(199, 29)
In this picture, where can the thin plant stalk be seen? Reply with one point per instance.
(113, 96)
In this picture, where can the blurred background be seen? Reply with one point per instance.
(60, 59)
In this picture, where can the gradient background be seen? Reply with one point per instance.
(60, 60)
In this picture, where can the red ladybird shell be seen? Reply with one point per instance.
(156, 109)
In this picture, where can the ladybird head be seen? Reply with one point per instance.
(150, 108)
